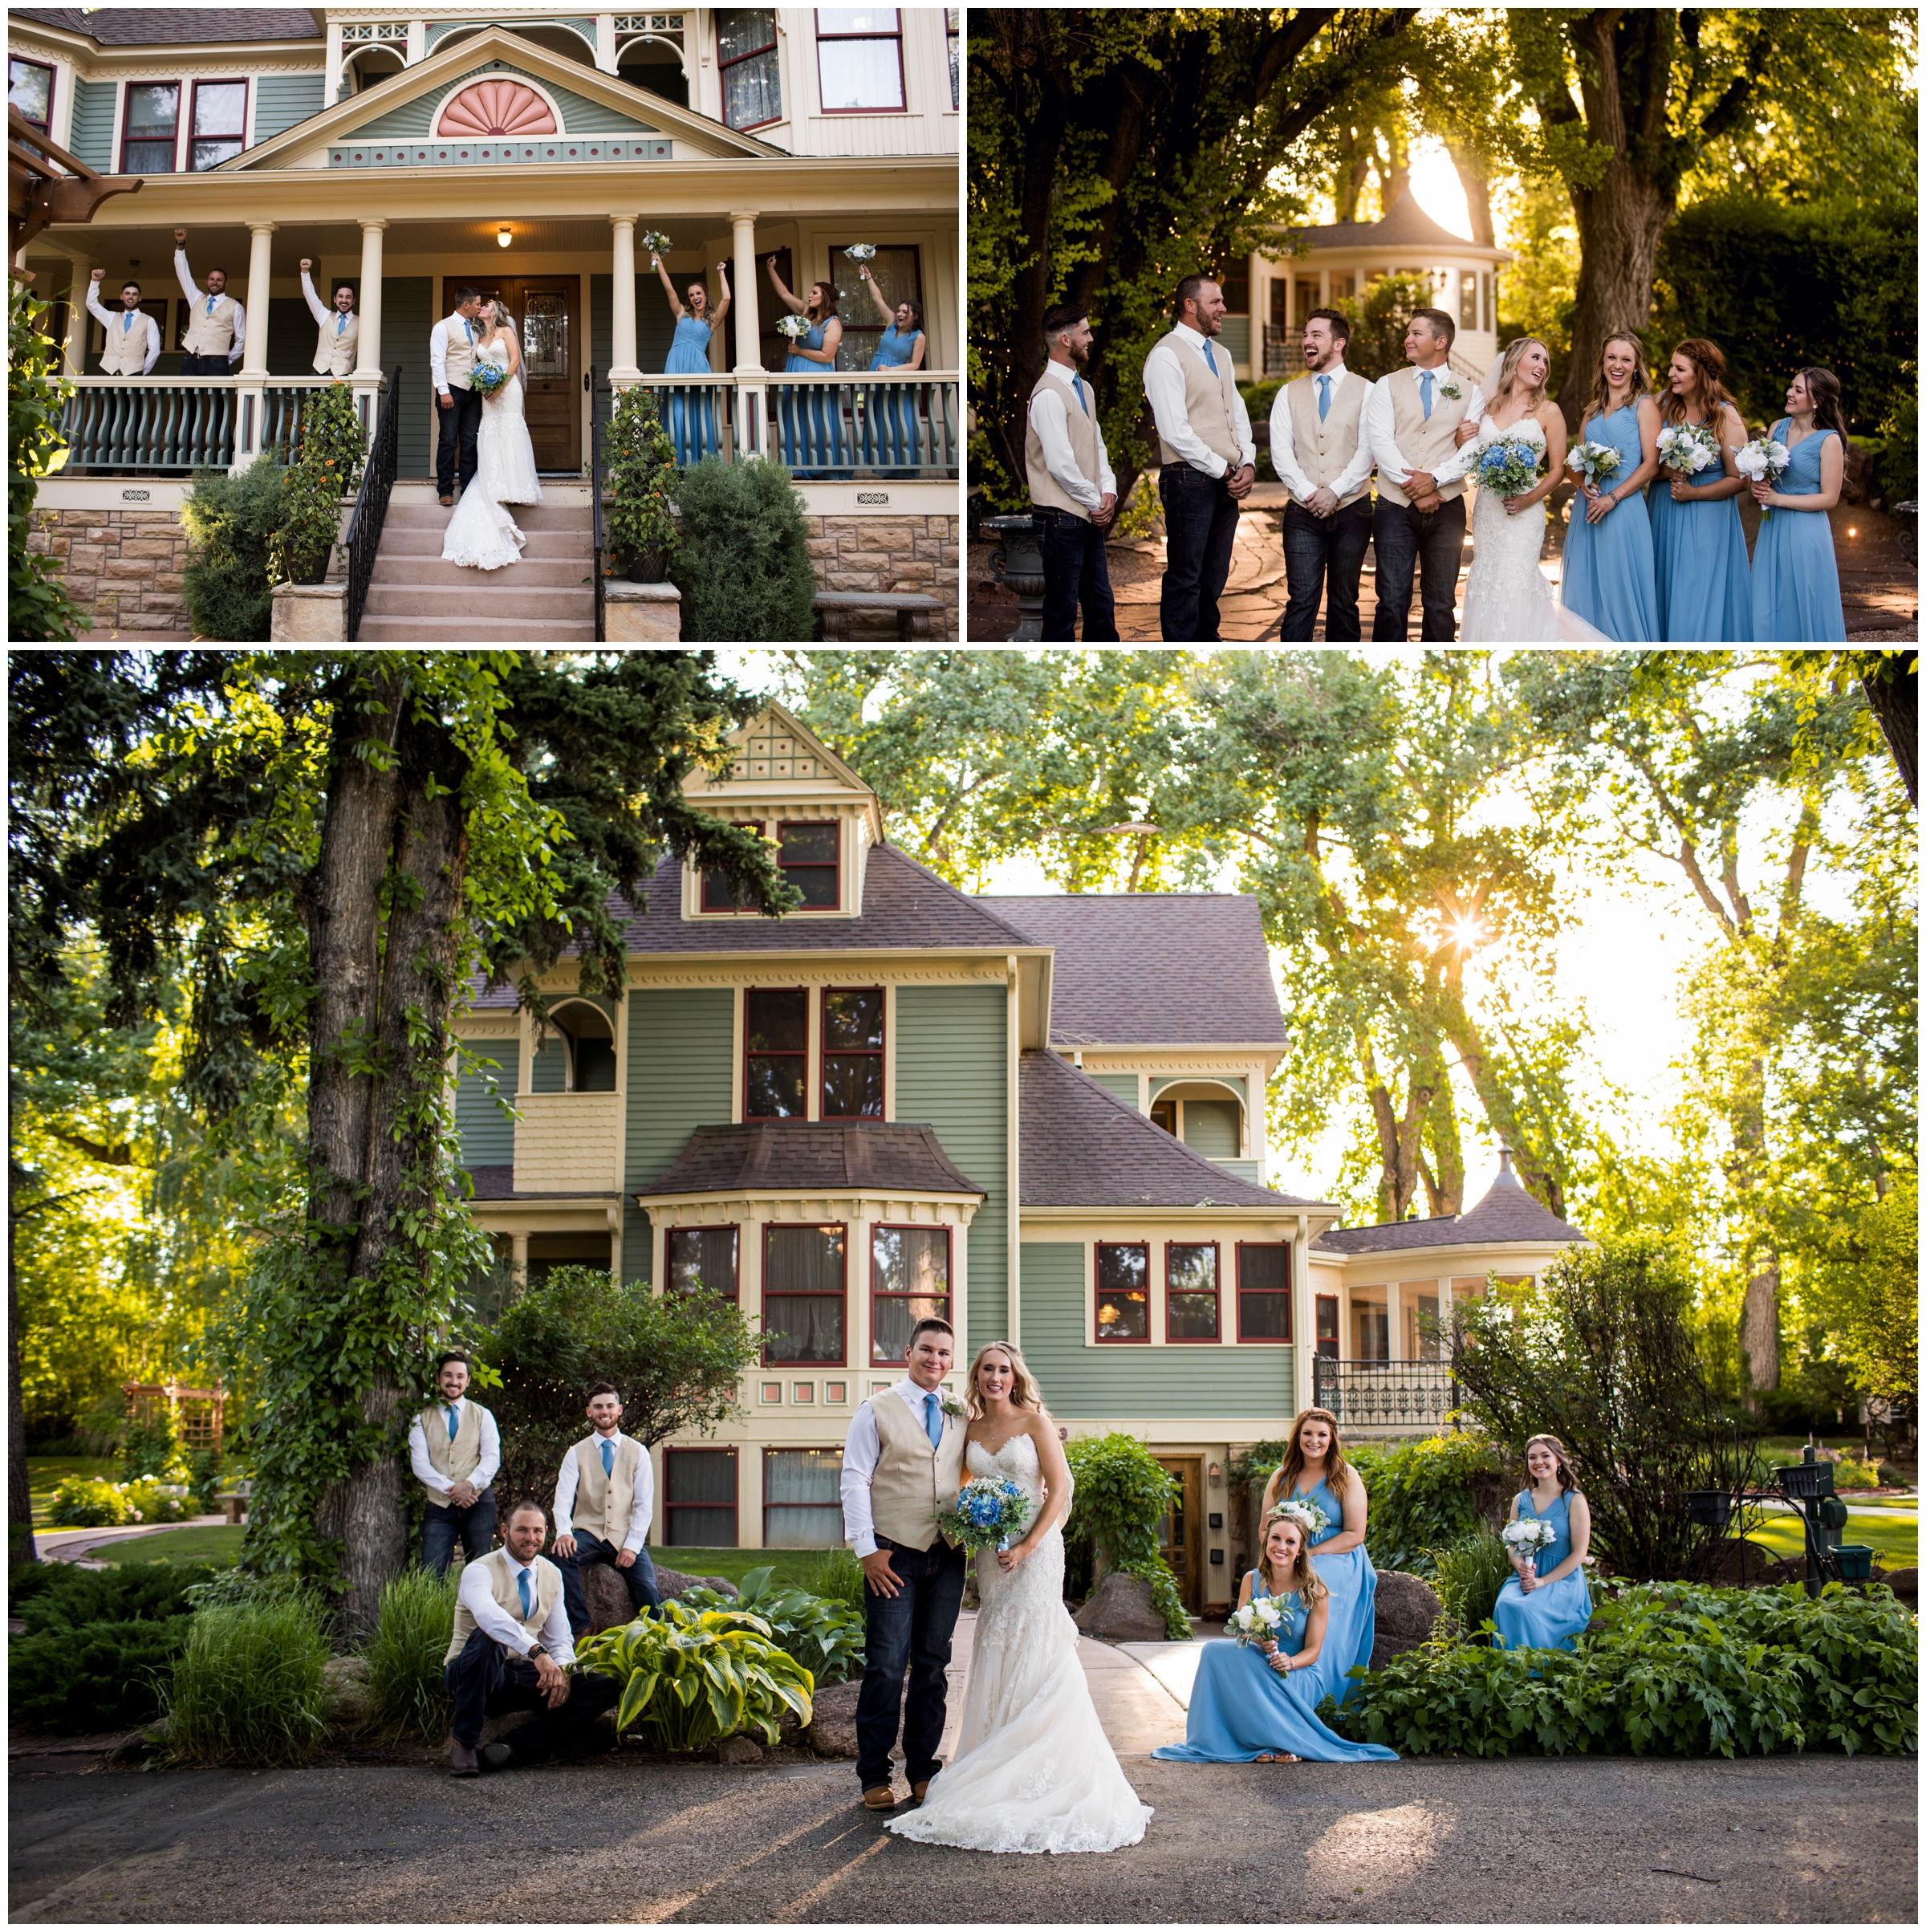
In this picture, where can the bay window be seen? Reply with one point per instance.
(908, 1282)
(805, 1286)
(702, 1261)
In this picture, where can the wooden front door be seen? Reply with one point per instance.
(545, 308)
(1180, 1529)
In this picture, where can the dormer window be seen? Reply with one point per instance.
(808, 853)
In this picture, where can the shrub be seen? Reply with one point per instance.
(204, 1474)
(411, 1638)
(232, 1585)
(1897, 473)
(838, 1576)
(150, 1501)
(230, 520)
(39, 609)
(824, 1635)
(308, 525)
(1422, 1495)
(61, 1596)
(1678, 1672)
(1120, 1490)
(1848, 1475)
(246, 1686)
(639, 473)
(150, 1448)
(88, 1502)
(1467, 1574)
(744, 570)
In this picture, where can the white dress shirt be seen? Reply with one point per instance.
(119, 324)
(477, 1594)
(640, 1517)
(437, 350)
(1378, 420)
(1047, 417)
(426, 1472)
(1284, 442)
(860, 1454)
(1163, 384)
(200, 296)
(317, 308)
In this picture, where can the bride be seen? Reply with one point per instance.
(1033, 1770)
(481, 532)
(1507, 597)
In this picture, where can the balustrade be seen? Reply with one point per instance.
(1385, 1395)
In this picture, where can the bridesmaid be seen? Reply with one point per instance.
(1315, 1471)
(900, 347)
(1608, 568)
(692, 423)
(817, 351)
(1698, 544)
(1795, 576)
(1258, 1704)
(1545, 1610)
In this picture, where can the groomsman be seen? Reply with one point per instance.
(1209, 460)
(134, 339)
(605, 1503)
(337, 343)
(1073, 493)
(1323, 457)
(454, 1449)
(451, 361)
(1411, 418)
(216, 324)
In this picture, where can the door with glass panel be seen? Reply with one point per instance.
(544, 308)
(1181, 1529)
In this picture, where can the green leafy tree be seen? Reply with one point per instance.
(39, 610)
(1879, 1334)
(1379, 318)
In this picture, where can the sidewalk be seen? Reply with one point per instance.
(74, 1545)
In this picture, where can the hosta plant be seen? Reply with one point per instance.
(691, 1677)
(822, 1633)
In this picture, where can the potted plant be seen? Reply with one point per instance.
(311, 520)
(640, 462)
(331, 434)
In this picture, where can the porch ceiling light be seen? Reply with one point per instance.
(502, 236)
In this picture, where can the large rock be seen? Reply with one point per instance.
(1903, 1583)
(345, 1695)
(1407, 1609)
(1120, 1608)
(1718, 1562)
(672, 1583)
(832, 1729)
(609, 1605)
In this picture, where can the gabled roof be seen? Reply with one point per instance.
(1083, 1147)
(1405, 225)
(816, 1156)
(177, 25)
(1506, 1214)
(1139, 969)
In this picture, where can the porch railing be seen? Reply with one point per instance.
(1385, 1395)
(371, 506)
(595, 499)
(127, 426)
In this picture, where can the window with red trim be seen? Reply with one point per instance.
(29, 92)
(1263, 1292)
(703, 1261)
(1123, 1291)
(1190, 1291)
(1328, 1345)
(805, 1294)
(219, 124)
(699, 1498)
(908, 1282)
(149, 126)
(775, 1053)
(802, 1498)
(808, 855)
(860, 59)
(745, 52)
(852, 1053)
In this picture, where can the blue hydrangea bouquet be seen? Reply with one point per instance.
(1510, 466)
(990, 1512)
(487, 377)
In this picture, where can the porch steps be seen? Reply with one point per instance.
(415, 596)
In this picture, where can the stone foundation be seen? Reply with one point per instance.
(121, 565)
(909, 553)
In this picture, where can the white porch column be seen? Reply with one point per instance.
(519, 1257)
(1306, 1328)
(368, 361)
(417, 41)
(254, 353)
(332, 84)
(751, 398)
(622, 306)
(79, 323)
(1394, 1317)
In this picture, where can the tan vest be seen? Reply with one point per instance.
(126, 350)
(913, 1483)
(334, 354)
(1209, 403)
(457, 1459)
(1425, 446)
(1044, 488)
(605, 1501)
(502, 1568)
(211, 335)
(1325, 448)
(461, 353)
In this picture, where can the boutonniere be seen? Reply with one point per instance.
(1449, 388)
(951, 1407)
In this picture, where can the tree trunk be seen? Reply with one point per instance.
(1476, 184)
(1895, 699)
(19, 1499)
(1759, 1326)
(1620, 224)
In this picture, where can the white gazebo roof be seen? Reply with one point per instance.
(1405, 226)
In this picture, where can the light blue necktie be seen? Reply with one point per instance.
(454, 1421)
(527, 1601)
(1076, 382)
(341, 324)
(1425, 384)
(608, 1458)
(210, 304)
(932, 1420)
(1209, 359)
(470, 326)
(126, 322)
(1324, 397)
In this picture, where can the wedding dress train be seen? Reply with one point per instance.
(1033, 1770)
(481, 533)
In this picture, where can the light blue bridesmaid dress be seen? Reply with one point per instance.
(1608, 566)
(1699, 566)
(692, 420)
(1351, 1628)
(1554, 1612)
(893, 410)
(812, 434)
(1795, 576)
(1240, 1704)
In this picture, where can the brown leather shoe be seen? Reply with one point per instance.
(448, 502)
(880, 1798)
(919, 1791)
(462, 1762)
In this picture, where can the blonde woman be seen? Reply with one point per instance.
(1547, 1602)
(1034, 1771)
(1259, 1705)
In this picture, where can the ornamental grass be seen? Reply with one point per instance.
(247, 1685)
(404, 1656)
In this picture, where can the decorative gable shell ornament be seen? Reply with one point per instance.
(493, 108)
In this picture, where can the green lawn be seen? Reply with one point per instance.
(217, 1543)
(45, 1473)
(1894, 1540)
(793, 1567)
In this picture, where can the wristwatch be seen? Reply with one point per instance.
(534, 1651)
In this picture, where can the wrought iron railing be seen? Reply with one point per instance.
(142, 424)
(371, 506)
(1283, 351)
(1385, 1395)
(595, 499)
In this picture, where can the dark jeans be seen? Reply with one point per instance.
(455, 444)
(639, 1576)
(442, 1523)
(206, 365)
(1313, 547)
(910, 1631)
(485, 1682)
(1200, 525)
(1075, 570)
(1404, 537)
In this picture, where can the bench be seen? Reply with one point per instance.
(233, 1502)
(913, 612)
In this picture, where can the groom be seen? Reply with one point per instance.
(451, 359)
(901, 1466)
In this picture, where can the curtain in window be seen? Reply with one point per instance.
(802, 1498)
(700, 1497)
(150, 114)
(703, 1258)
(752, 87)
(802, 1289)
(911, 1280)
(860, 74)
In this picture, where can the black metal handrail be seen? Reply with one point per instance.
(1384, 1394)
(594, 497)
(370, 505)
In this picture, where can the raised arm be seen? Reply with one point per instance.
(876, 294)
(794, 305)
(183, 273)
(722, 308)
(669, 287)
(95, 307)
(314, 308)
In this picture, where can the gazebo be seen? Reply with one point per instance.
(197, 1412)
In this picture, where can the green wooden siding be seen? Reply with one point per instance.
(548, 1072)
(405, 321)
(682, 1046)
(655, 329)
(487, 1135)
(282, 100)
(952, 1053)
(1123, 1085)
(94, 125)
(1210, 1128)
(1141, 1382)
(415, 119)
(1237, 337)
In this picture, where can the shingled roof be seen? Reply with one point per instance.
(498, 1184)
(113, 27)
(1162, 968)
(817, 1155)
(1507, 1214)
(1083, 1147)
(1405, 223)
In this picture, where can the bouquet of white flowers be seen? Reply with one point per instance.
(1762, 460)
(1526, 1537)
(1687, 448)
(990, 1512)
(795, 328)
(1595, 462)
(654, 240)
(861, 251)
(1509, 466)
(1258, 1619)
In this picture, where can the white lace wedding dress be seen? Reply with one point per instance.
(481, 532)
(1508, 599)
(1033, 1770)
